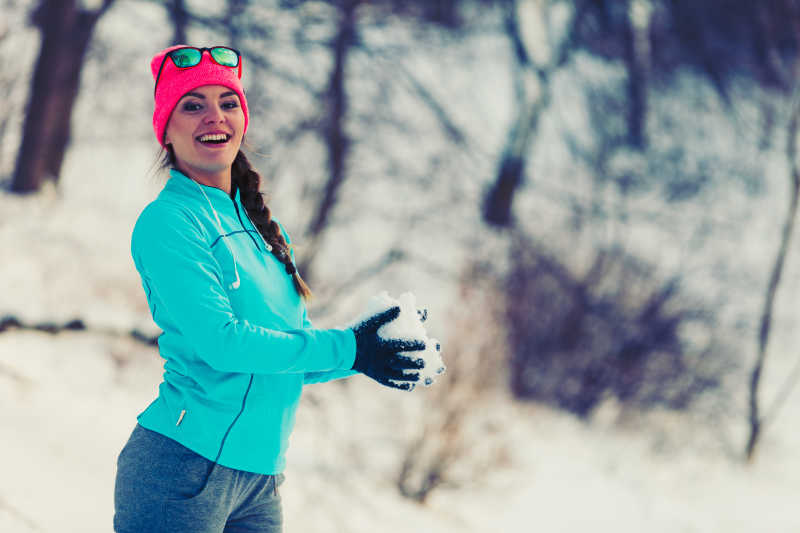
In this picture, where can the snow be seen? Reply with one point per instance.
(70, 400)
(409, 326)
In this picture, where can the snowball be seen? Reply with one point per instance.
(409, 326)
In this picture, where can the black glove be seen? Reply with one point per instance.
(385, 359)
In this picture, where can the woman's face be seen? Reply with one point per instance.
(205, 129)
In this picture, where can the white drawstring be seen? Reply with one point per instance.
(267, 245)
(235, 284)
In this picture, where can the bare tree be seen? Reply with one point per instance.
(334, 113)
(755, 418)
(66, 32)
(532, 97)
(333, 127)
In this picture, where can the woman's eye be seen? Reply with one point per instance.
(230, 105)
(191, 106)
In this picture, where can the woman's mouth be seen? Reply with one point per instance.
(214, 140)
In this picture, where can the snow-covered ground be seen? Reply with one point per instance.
(71, 403)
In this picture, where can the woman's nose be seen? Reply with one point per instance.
(214, 114)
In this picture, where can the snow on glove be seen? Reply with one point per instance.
(388, 361)
(409, 325)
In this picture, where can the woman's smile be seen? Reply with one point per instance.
(214, 140)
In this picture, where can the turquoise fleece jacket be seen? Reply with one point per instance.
(237, 341)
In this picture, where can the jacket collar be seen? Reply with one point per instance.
(181, 183)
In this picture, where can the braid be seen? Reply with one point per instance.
(248, 180)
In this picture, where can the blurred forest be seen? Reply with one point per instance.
(575, 175)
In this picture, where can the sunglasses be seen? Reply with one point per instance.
(189, 56)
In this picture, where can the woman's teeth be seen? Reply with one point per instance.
(214, 138)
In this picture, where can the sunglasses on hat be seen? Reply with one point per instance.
(189, 56)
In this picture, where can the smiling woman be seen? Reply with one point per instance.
(217, 269)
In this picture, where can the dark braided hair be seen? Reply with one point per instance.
(248, 180)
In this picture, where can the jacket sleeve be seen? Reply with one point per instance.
(175, 261)
(322, 377)
(315, 377)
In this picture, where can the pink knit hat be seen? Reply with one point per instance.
(175, 82)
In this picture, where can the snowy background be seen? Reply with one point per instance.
(68, 401)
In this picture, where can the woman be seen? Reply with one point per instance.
(219, 276)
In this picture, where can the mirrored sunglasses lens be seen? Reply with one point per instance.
(225, 56)
(188, 57)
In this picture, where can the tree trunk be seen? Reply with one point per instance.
(66, 32)
(180, 20)
(336, 139)
(499, 198)
(635, 41)
(232, 21)
(755, 418)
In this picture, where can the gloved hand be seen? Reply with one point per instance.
(386, 360)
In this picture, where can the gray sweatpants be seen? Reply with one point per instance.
(162, 486)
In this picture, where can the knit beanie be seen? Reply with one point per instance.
(175, 82)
